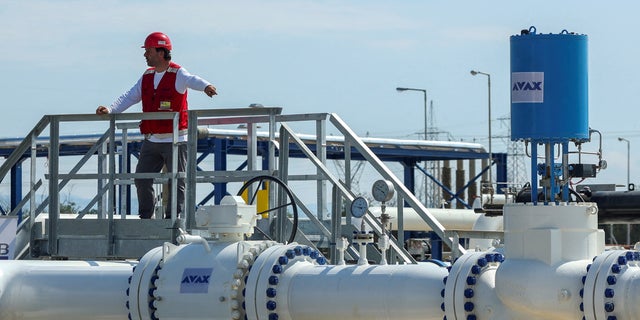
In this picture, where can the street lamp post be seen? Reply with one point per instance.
(473, 73)
(628, 182)
(424, 92)
(628, 159)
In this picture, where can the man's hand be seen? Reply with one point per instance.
(210, 91)
(102, 110)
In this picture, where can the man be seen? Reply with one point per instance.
(162, 88)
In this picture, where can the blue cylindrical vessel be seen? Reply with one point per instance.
(549, 87)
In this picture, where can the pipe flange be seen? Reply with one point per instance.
(459, 291)
(140, 301)
(601, 282)
(266, 274)
(246, 259)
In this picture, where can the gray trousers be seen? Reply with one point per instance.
(154, 156)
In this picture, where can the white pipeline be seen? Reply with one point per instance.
(301, 290)
(451, 219)
(454, 219)
(553, 267)
(70, 290)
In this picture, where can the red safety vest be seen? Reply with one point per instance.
(165, 98)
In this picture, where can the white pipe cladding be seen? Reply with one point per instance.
(70, 290)
(532, 288)
(455, 219)
(364, 292)
(287, 285)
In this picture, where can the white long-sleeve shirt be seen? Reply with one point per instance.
(184, 81)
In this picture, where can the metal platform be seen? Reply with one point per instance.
(108, 234)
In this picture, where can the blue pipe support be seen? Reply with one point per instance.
(16, 187)
(443, 187)
(409, 175)
(220, 164)
(501, 171)
(436, 246)
(565, 186)
(534, 177)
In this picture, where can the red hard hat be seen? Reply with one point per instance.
(157, 40)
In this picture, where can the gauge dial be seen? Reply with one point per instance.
(359, 207)
(382, 190)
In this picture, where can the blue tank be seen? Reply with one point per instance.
(549, 87)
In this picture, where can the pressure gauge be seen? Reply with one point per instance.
(359, 207)
(382, 190)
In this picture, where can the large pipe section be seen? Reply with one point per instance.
(551, 246)
(70, 290)
(289, 284)
(229, 280)
(265, 280)
(554, 269)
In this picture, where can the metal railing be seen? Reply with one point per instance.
(106, 175)
(112, 172)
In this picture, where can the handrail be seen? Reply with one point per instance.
(25, 145)
(402, 190)
(376, 226)
(278, 143)
(58, 181)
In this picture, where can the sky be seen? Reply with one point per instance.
(307, 56)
